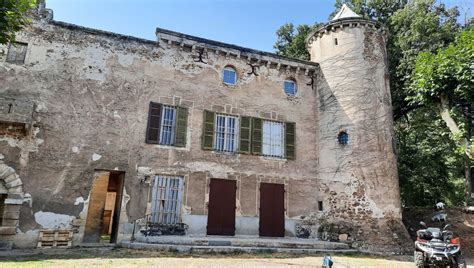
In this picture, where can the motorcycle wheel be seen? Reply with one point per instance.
(460, 262)
(419, 260)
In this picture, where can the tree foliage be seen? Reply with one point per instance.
(291, 42)
(444, 82)
(429, 170)
(13, 18)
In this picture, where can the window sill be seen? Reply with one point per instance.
(225, 153)
(169, 147)
(273, 158)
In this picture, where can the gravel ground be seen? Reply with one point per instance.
(99, 257)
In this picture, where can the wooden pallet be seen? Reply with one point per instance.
(55, 238)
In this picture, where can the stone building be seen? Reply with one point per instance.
(101, 132)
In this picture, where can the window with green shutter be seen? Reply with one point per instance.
(167, 125)
(290, 138)
(245, 135)
(256, 136)
(208, 130)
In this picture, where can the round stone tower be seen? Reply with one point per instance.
(358, 177)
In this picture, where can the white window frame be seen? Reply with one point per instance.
(226, 133)
(167, 130)
(231, 69)
(273, 139)
(166, 199)
(295, 87)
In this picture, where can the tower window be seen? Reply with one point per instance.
(320, 205)
(335, 41)
(290, 87)
(343, 138)
(230, 76)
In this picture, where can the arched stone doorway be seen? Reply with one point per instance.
(11, 193)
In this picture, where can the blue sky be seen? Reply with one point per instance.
(249, 23)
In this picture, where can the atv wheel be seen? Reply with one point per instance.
(460, 262)
(419, 260)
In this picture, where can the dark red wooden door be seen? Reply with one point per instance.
(221, 209)
(272, 210)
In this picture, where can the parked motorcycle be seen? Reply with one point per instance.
(437, 248)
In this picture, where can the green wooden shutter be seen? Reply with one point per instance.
(290, 134)
(256, 136)
(208, 130)
(181, 126)
(154, 121)
(245, 134)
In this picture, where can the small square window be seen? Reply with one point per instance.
(290, 87)
(320, 205)
(230, 76)
(17, 53)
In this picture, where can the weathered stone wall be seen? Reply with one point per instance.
(91, 92)
(359, 179)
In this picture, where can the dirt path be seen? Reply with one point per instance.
(138, 258)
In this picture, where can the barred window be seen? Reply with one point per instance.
(168, 123)
(226, 131)
(166, 199)
(17, 52)
(273, 141)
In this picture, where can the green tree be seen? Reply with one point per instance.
(291, 42)
(444, 82)
(13, 17)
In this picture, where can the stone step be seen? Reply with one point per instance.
(251, 242)
(227, 249)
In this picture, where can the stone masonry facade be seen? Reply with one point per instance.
(76, 102)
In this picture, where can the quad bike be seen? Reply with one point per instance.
(437, 248)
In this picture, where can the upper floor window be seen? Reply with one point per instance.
(226, 128)
(290, 87)
(248, 135)
(167, 125)
(230, 76)
(17, 52)
(273, 139)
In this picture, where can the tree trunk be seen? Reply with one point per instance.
(444, 110)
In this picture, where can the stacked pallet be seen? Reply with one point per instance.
(55, 238)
